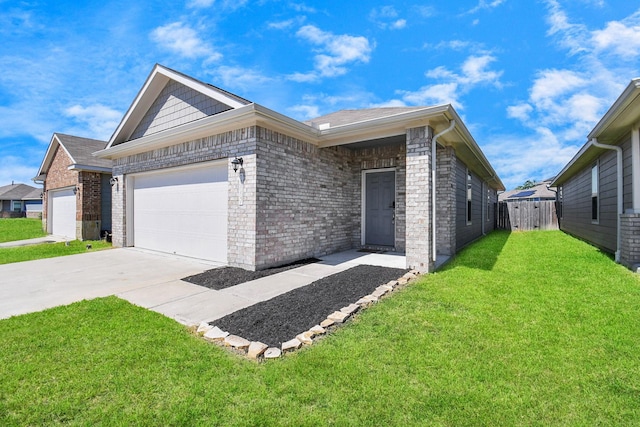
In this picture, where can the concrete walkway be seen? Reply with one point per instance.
(36, 241)
(152, 280)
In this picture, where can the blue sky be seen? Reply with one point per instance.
(529, 78)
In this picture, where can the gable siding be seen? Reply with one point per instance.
(177, 104)
(576, 216)
(627, 174)
(466, 233)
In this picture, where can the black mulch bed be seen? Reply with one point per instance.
(225, 277)
(282, 318)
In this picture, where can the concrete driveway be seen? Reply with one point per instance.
(154, 278)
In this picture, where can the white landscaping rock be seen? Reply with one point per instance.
(256, 348)
(317, 330)
(338, 316)
(409, 276)
(392, 283)
(272, 353)
(216, 334)
(350, 309)
(203, 328)
(379, 293)
(403, 281)
(327, 322)
(236, 342)
(304, 339)
(293, 344)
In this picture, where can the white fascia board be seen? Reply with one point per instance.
(624, 100)
(379, 127)
(87, 168)
(248, 115)
(48, 157)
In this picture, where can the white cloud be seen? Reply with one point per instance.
(301, 7)
(179, 38)
(334, 52)
(17, 169)
(99, 120)
(305, 112)
(386, 17)
(620, 37)
(240, 77)
(521, 111)
(444, 93)
(225, 4)
(485, 5)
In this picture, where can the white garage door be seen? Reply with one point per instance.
(182, 212)
(63, 213)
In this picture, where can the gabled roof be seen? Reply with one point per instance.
(80, 151)
(616, 123)
(344, 127)
(19, 192)
(152, 87)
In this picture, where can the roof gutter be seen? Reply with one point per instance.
(619, 184)
(434, 142)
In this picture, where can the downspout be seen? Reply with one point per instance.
(434, 141)
(595, 143)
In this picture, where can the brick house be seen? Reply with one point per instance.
(599, 189)
(204, 173)
(77, 192)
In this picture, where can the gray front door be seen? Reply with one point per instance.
(380, 204)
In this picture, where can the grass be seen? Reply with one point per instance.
(520, 329)
(48, 250)
(12, 229)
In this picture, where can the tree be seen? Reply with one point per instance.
(527, 184)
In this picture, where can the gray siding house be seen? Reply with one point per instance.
(201, 172)
(599, 189)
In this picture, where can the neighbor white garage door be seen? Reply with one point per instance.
(182, 211)
(62, 213)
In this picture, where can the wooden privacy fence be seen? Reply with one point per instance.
(527, 215)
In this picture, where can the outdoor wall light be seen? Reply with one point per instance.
(113, 181)
(75, 190)
(237, 162)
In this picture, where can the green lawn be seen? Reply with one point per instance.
(12, 229)
(49, 250)
(520, 329)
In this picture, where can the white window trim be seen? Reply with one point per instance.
(469, 199)
(595, 166)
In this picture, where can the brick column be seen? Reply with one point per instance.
(118, 216)
(418, 210)
(630, 240)
(446, 201)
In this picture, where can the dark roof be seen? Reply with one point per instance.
(539, 191)
(344, 117)
(81, 150)
(19, 192)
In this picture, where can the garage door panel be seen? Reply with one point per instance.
(183, 212)
(63, 213)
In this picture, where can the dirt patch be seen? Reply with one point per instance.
(225, 277)
(285, 316)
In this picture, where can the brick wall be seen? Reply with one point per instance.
(446, 200)
(306, 199)
(630, 240)
(418, 210)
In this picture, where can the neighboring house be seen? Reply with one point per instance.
(203, 173)
(20, 200)
(77, 192)
(537, 193)
(599, 189)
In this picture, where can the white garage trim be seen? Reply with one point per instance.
(61, 212)
(180, 211)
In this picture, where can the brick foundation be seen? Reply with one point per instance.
(630, 240)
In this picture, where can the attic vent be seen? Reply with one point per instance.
(323, 126)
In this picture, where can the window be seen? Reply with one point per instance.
(469, 196)
(16, 206)
(595, 178)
